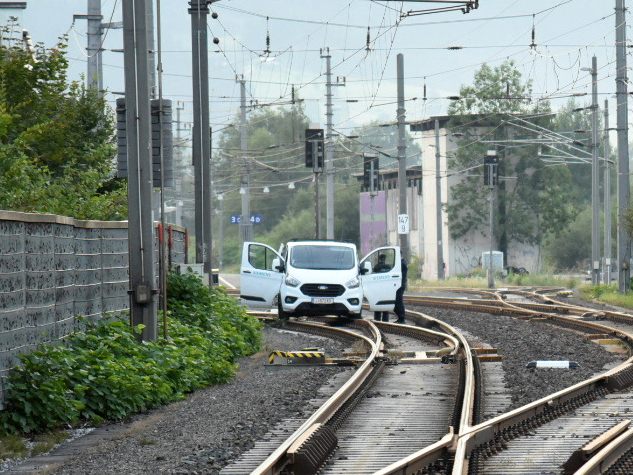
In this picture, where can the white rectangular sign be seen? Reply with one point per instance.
(403, 224)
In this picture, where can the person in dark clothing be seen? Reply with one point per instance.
(381, 267)
(399, 306)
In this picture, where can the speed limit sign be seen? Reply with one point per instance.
(403, 224)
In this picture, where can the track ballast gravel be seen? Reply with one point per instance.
(214, 426)
(521, 341)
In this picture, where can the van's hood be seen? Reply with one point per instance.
(311, 276)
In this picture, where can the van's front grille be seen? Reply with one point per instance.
(322, 290)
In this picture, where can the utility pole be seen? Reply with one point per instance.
(624, 244)
(329, 144)
(402, 158)
(245, 180)
(139, 153)
(595, 175)
(95, 73)
(607, 197)
(491, 164)
(221, 236)
(201, 146)
(438, 204)
(317, 199)
(179, 168)
(149, 12)
(94, 37)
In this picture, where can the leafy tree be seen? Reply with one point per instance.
(56, 139)
(572, 246)
(575, 123)
(533, 197)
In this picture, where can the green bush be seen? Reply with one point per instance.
(105, 373)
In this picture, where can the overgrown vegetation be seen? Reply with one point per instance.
(607, 294)
(479, 280)
(104, 373)
(56, 139)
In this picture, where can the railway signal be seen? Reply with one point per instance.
(370, 172)
(314, 149)
(314, 159)
(491, 169)
(491, 179)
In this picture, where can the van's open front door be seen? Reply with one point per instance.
(382, 278)
(259, 280)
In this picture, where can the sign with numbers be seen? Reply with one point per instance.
(403, 224)
(255, 219)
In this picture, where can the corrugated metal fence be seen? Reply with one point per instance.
(54, 268)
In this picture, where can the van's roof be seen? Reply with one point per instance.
(321, 243)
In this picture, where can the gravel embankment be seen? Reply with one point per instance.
(520, 342)
(215, 425)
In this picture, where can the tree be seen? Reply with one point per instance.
(56, 140)
(533, 197)
(571, 248)
(275, 157)
(576, 124)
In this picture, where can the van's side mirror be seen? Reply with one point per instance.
(278, 265)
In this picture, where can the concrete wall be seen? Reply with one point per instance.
(54, 268)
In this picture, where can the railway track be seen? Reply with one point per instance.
(586, 427)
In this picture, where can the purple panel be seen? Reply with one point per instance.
(373, 221)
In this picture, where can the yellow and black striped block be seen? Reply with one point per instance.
(306, 356)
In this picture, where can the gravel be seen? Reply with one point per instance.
(520, 341)
(213, 426)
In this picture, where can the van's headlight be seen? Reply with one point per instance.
(292, 282)
(353, 284)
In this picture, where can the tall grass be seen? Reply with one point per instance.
(607, 294)
(477, 281)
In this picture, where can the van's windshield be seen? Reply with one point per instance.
(322, 257)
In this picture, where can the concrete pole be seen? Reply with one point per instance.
(221, 236)
(179, 165)
(245, 181)
(491, 218)
(151, 49)
(199, 11)
(94, 45)
(438, 204)
(329, 149)
(607, 197)
(402, 156)
(595, 176)
(139, 152)
(624, 244)
(208, 219)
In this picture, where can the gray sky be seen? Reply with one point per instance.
(567, 34)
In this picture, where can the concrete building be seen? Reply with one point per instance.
(379, 211)
(461, 255)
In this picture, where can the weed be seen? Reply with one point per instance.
(12, 446)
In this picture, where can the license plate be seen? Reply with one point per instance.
(322, 300)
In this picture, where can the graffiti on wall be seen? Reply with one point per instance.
(373, 220)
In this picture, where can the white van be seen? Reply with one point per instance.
(319, 278)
